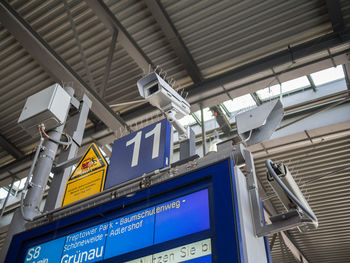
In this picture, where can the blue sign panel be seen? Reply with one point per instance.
(86, 245)
(130, 233)
(202, 194)
(182, 216)
(47, 252)
(205, 259)
(140, 152)
(176, 218)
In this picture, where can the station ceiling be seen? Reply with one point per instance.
(211, 51)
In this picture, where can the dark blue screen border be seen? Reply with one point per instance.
(224, 219)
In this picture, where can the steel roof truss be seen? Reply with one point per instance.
(174, 39)
(57, 68)
(335, 15)
(10, 148)
(124, 38)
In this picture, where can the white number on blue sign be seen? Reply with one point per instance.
(137, 143)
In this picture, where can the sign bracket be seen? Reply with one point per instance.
(75, 128)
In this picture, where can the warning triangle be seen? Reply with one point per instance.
(90, 162)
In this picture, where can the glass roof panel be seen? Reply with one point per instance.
(287, 87)
(295, 84)
(3, 193)
(328, 75)
(19, 184)
(269, 92)
(239, 103)
(208, 115)
(187, 120)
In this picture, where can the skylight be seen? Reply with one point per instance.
(295, 84)
(328, 75)
(20, 184)
(239, 103)
(287, 87)
(187, 120)
(3, 193)
(292, 86)
(208, 115)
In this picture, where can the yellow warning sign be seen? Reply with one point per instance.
(87, 178)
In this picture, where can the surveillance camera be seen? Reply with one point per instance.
(287, 179)
(159, 93)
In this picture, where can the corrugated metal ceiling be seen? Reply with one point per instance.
(327, 195)
(220, 36)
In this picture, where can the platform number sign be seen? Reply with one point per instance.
(140, 152)
(136, 141)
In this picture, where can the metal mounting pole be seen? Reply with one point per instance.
(204, 137)
(75, 128)
(7, 197)
(280, 222)
(41, 174)
(188, 146)
(32, 201)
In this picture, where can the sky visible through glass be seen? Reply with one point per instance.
(246, 101)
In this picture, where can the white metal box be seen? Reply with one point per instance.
(49, 107)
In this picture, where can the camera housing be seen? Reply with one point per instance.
(159, 93)
(287, 178)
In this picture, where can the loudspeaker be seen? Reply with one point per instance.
(258, 124)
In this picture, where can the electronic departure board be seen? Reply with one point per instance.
(141, 229)
(191, 218)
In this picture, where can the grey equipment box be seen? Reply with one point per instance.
(49, 107)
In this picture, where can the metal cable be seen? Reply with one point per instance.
(28, 178)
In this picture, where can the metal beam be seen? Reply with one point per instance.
(335, 15)
(256, 98)
(221, 119)
(296, 252)
(10, 148)
(225, 109)
(273, 241)
(75, 128)
(77, 39)
(204, 133)
(346, 69)
(312, 83)
(7, 198)
(175, 40)
(124, 38)
(204, 91)
(54, 65)
(267, 204)
(109, 63)
(196, 92)
(198, 121)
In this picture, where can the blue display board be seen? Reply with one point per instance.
(140, 152)
(131, 232)
(191, 218)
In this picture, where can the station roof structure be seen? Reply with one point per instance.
(224, 57)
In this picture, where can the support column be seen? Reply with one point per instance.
(75, 128)
(204, 137)
(32, 201)
(188, 147)
(7, 198)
